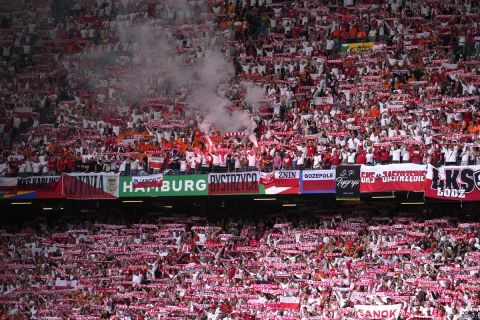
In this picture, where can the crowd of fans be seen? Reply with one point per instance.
(337, 82)
(282, 267)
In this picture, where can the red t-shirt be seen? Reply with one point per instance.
(327, 160)
(361, 158)
(335, 159)
(310, 151)
(385, 155)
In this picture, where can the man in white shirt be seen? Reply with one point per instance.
(465, 156)
(317, 161)
(3, 167)
(134, 164)
(252, 161)
(351, 156)
(369, 157)
(352, 143)
(36, 168)
(395, 152)
(450, 154)
(216, 162)
(405, 154)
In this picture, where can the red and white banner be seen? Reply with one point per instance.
(392, 177)
(378, 312)
(90, 185)
(453, 183)
(155, 162)
(318, 181)
(281, 182)
(151, 181)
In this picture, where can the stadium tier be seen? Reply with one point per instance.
(358, 261)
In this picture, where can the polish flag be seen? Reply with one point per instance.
(290, 303)
(155, 163)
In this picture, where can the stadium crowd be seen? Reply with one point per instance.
(315, 266)
(335, 82)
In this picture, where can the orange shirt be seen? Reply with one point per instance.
(474, 129)
(361, 34)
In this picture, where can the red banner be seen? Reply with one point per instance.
(41, 187)
(90, 185)
(392, 177)
(453, 183)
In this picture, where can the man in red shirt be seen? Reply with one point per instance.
(327, 160)
(287, 161)
(377, 155)
(361, 156)
(310, 153)
(335, 158)
(384, 155)
(415, 154)
(52, 166)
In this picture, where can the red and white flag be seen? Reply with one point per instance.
(291, 303)
(281, 182)
(155, 162)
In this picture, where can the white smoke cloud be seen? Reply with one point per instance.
(254, 95)
(151, 65)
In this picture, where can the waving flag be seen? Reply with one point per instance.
(152, 181)
(155, 162)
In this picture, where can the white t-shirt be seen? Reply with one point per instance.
(405, 155)
(351, 157)
(183, 165)
(395, 153)
(317, 161)
(369, 157)
(450, 155)
(215, 159)
(3, 169)
(252, 160)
